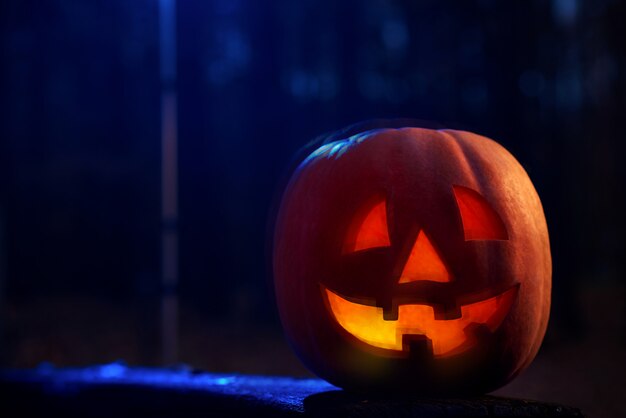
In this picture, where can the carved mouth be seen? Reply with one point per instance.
(446, 337)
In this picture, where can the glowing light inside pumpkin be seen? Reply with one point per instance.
(480, 221)
(371, 232)
(448, 337)
(424, 263)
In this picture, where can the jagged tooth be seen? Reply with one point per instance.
(446, 313)
(391, 312)
(417, 345)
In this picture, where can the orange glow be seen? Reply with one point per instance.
(372, 232)
(448, 337)
(480, 221)
(424, 263)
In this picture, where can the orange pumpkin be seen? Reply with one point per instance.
(413, 260)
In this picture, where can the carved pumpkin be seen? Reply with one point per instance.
(413, 260)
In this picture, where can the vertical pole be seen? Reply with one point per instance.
(3, 281)
(169, 183)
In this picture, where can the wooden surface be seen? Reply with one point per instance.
(120, 391)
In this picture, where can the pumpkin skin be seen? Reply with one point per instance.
(417, 190)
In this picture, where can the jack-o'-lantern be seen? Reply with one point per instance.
(413, 260)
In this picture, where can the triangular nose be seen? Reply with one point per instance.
(424, 263)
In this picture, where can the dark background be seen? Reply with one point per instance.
(80, 163)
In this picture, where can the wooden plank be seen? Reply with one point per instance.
(117, 390)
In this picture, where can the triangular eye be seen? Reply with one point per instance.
(480, 220)
(369, 230)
